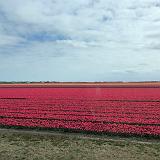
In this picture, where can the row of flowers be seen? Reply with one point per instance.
(86, 126)
(118, 110)
(89, 118)
(155, 116)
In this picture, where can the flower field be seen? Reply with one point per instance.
(118, 110)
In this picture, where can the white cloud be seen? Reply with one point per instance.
(10, 40)
(99, 37)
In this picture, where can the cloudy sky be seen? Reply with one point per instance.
(79, 40)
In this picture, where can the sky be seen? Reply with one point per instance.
(79, 40)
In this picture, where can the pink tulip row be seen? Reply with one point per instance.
(114, 110)
(51, 113)
(86, 126)
(31, 104)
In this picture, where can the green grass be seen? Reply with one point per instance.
(21, 146)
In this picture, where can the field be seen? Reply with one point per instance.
(114, 109)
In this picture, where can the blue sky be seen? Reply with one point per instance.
(79, 40)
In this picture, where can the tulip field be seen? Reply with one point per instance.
(114, 110)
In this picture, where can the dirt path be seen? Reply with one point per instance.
(82, 84)
(81, 136)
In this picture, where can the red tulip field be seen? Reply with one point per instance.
(114, 110)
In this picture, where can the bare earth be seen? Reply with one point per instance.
(84, 84)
